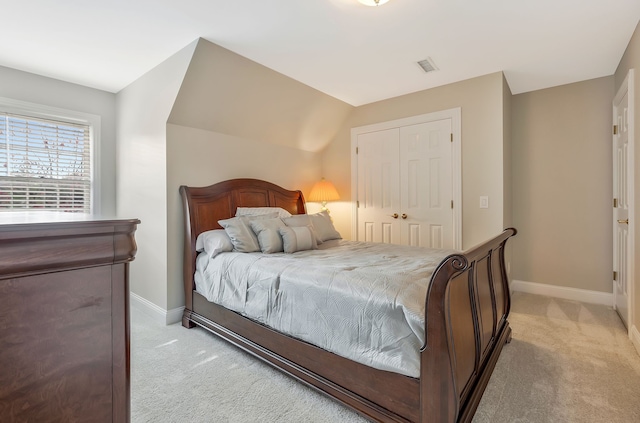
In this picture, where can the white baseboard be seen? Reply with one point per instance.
(582, 295)
(174, 315)
(635, 338)
(157, 313)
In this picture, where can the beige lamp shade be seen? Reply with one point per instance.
(322, 192)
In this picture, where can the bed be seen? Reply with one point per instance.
(466, 308)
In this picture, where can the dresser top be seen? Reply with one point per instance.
(8, 220)
(33, 243)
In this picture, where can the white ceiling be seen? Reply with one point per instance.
(356, 53)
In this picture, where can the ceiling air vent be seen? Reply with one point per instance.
(427, 65)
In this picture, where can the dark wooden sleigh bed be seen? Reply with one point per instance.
(467, 306)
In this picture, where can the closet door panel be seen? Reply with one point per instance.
(426, 184)
(378, 187)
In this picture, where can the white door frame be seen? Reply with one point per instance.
(456, 165)
(627, 88)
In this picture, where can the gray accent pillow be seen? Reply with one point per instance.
(323, 226)
(254, 211)
(298, 220)
(214, 242)
(241, 234)
(298, 238)
(269, 238)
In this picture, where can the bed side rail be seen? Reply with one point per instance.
(467, 306)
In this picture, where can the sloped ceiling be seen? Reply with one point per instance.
(230, 94)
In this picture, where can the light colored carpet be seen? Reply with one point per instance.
(568, 362)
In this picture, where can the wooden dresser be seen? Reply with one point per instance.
(64, 318)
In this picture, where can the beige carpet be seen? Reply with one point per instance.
(568, 362)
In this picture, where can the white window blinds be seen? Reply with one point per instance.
(44, 164)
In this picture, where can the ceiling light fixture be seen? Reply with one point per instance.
(373, 2)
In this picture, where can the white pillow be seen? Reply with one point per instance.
(301, 220)
(269, 238)
(214, 242)
(298, 238)
(323, 226)
(254, 211)
(241, 234)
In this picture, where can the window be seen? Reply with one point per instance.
(45, 162)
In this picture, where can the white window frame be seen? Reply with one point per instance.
(8, 105)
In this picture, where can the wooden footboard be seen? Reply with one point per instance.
(466, 327)
(467, 306)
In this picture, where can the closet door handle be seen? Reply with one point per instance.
(395, 215)
(404, 215)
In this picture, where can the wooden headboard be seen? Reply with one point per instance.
(204, 206)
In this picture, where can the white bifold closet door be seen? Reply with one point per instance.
(405, 185)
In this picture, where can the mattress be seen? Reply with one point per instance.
(362, 301)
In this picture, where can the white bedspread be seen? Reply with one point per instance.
(362, 301)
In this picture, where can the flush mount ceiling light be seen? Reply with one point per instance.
(373, 2)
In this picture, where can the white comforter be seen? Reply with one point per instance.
(362, 301)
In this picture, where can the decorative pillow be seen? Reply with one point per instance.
(298, 238)
(323, 226)
(255, 211)
(269, 238)
(241, 234)
(214, 242)
(301, 220)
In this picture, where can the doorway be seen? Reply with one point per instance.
(623, 201)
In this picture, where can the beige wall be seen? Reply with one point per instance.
(28, 87)
(631, 60)
(230, 94)
(481, 100)
(562, 185)
(143, 109)
(507, 156)
(507, 190)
